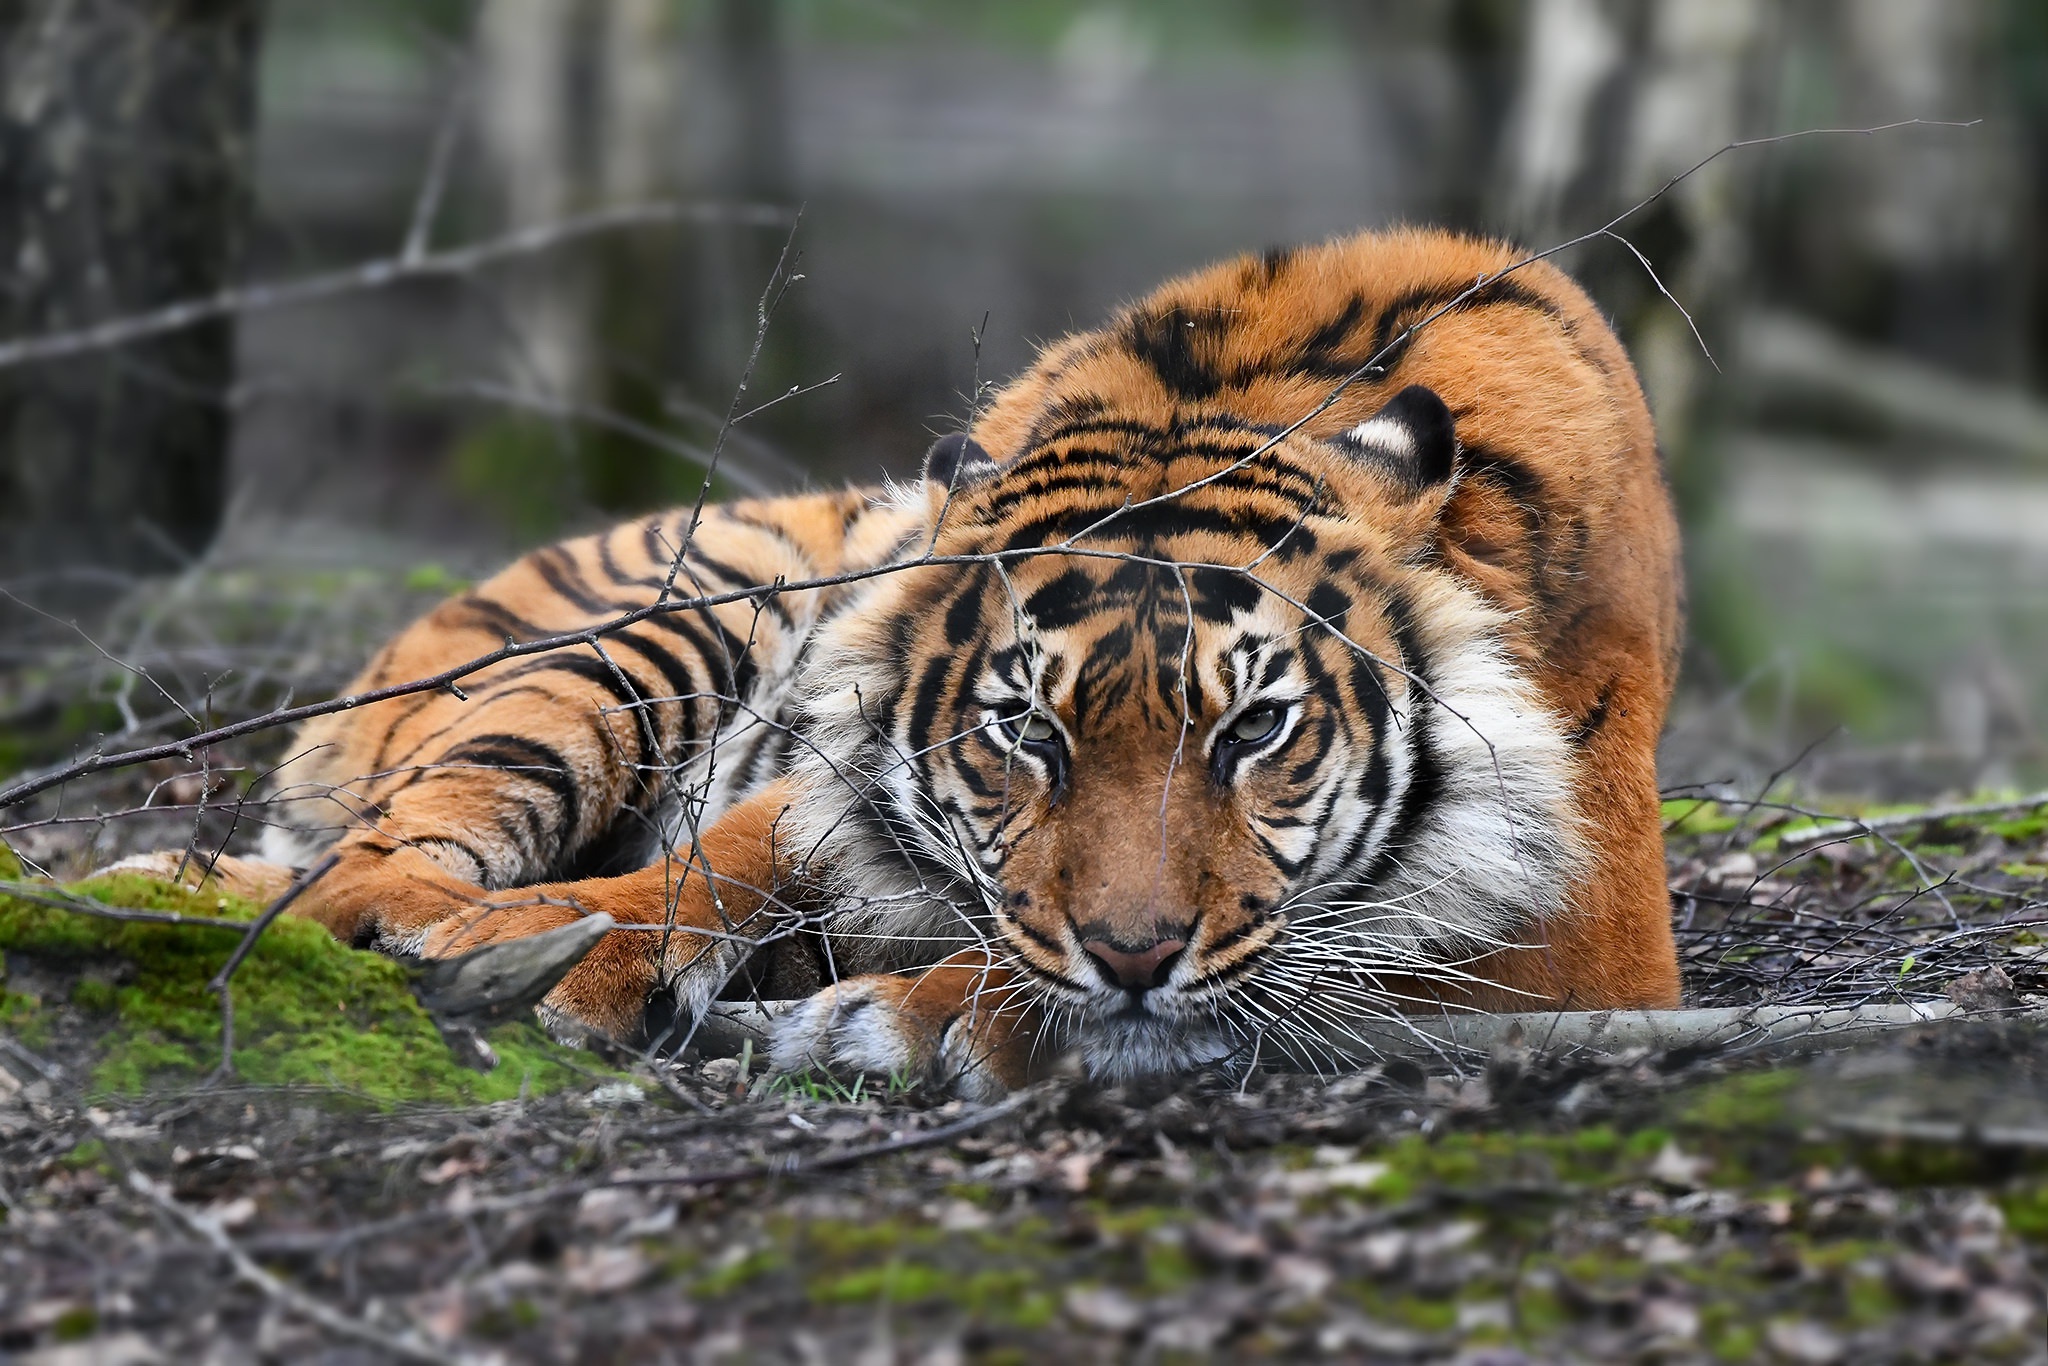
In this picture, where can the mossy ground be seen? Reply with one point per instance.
(309, 1012)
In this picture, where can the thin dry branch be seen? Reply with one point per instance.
(1799, 841)
(374, 275)
(221, 984)
(785, 1167)
(59, 900)
(284, 1294)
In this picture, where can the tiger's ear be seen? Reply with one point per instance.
(955, 461)
(1412, 441)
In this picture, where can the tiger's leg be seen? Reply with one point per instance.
(965, 1024)
(679, 929)
(443, 796)
(250, 879)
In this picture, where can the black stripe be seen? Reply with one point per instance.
(1170, 341)
(488, 614)
(1162, 520)
(524, 757)
(1510, 473)
(560, 573)
(672, 670)
(1595, 718)
(1426, 775)
(1394, 318)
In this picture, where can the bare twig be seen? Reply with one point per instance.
(977, 1119)
(665, 442)
(427, 204)
(20, 1052)
(373, 275)
(221, 980)
(60, 900)
(283, 1293)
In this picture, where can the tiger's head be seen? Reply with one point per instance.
(1186, 721)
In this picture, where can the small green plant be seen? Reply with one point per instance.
(822, 1088)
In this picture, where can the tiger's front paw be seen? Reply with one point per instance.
(914, 1030)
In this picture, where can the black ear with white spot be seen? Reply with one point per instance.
(956, 460)
(1413, 437)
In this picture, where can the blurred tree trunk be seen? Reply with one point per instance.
(750, 160)
(578, 109)
(125, 131)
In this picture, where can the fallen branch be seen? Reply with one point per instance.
(283, 1293)
(57, 899)
(1545, 1031)
(21, 1053)
(500, 981)
(1943, 1131)
(1904, 820)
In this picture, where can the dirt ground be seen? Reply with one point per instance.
(1885, 1203)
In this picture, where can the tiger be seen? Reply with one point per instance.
(1287, 653)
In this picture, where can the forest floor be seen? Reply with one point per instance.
(1883, 1203)
(347, 1192)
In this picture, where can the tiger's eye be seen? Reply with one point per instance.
(1035, 729)
(1256, 724)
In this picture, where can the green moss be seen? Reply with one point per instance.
(22, 1016)
(88, 1154)
(894, 1282)
(1430, 1316)
(1593, 1156)
(76, 1324)
(1595, 1268)
(1009, 1295)
(1168, 1268)
(1734, 1342)
(2022, 830)
(852, 1242)
(1538, 1311)
(92, 994)
(308, 1011)
(1135, 1222)
(1746, 1102)
(730, 1276)
(2026, 1210)
(1697, 816)
(1869, 1301)
(434, 578)
(1906, 1163)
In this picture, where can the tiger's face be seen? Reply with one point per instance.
(1168, 725)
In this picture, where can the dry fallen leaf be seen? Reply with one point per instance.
(1102, 1308)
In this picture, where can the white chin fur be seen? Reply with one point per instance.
(1126, 1047)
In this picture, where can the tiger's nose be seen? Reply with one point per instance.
(1134, 969)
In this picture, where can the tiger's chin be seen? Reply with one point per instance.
(1120, 1042)
(1128, 1048)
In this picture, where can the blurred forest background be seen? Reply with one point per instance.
(238, 507)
